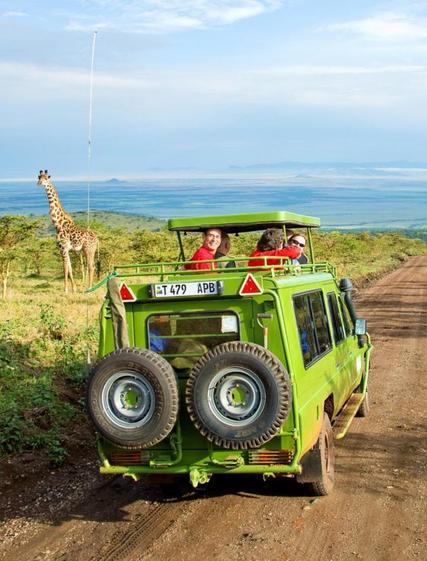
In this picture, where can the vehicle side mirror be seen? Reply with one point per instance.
(360, 327)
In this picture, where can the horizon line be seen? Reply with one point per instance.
(249, 169)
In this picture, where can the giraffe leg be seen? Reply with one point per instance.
(83, 269)
(90, 260)
(67, 265)
(90, 270)
(68, 271)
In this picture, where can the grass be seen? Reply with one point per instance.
(46, 336)
(366, 256)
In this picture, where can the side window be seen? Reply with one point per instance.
(338, 328)
(348, 324)
(320, 322)
(305, 328)
(312, 325)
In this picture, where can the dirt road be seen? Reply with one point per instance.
(377, 511)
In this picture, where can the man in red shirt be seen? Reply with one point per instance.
(271, 243)
(211, 242)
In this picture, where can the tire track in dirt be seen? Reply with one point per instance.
(144, 531)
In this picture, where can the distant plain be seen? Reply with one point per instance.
(359, 198)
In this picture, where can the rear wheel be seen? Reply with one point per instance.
(132, 398)
(322, 462)
(238, 395)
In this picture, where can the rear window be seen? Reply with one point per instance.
(183, 338)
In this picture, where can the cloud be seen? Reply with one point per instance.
(13, 14)
(232, 14)
(53, 79)
(388, 26)
(172, 91)
(157, 16)
(337, 70)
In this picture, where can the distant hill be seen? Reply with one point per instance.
(413, 233)
(122, 219)
(114, 181)
(294, 165)
(111, 219)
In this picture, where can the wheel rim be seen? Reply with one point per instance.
(128, 400)
(236, 396)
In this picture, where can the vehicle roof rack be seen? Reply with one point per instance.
(249, 222)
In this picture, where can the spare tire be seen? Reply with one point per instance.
(132, 398)
(238, 395)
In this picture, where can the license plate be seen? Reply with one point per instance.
(180, 289)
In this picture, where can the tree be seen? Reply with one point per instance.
(114, 247)
(38, 255)
(14, 230)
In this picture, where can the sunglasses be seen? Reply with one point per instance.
(294, 242)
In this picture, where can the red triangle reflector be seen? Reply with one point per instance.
(126, 293)
(250, 286)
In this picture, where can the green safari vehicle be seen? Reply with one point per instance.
(237, 369)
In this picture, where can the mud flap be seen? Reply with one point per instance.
(311, 467)
(118, 315)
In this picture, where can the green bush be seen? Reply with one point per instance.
(52, 324)
(32, 412)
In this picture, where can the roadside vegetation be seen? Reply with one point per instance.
(46, 338)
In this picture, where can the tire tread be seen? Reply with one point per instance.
(280, 376)
(171, 389)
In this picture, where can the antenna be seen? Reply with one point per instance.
(89, 177)
(89, 153)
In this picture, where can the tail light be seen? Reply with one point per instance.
(129, 458)
(270, 457)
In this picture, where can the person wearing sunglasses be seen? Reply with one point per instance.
(271, 244)
(298, 240)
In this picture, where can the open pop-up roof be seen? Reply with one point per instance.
(250, 222)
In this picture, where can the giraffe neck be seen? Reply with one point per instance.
(57, 214)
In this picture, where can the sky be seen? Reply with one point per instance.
(209, 84)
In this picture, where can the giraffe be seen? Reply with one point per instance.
(69, 236)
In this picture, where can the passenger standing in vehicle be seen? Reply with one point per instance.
(299, 241)
(222, 251)
(224, 247)
(211, 242)
(271, 243)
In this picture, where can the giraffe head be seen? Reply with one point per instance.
(44, 178)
